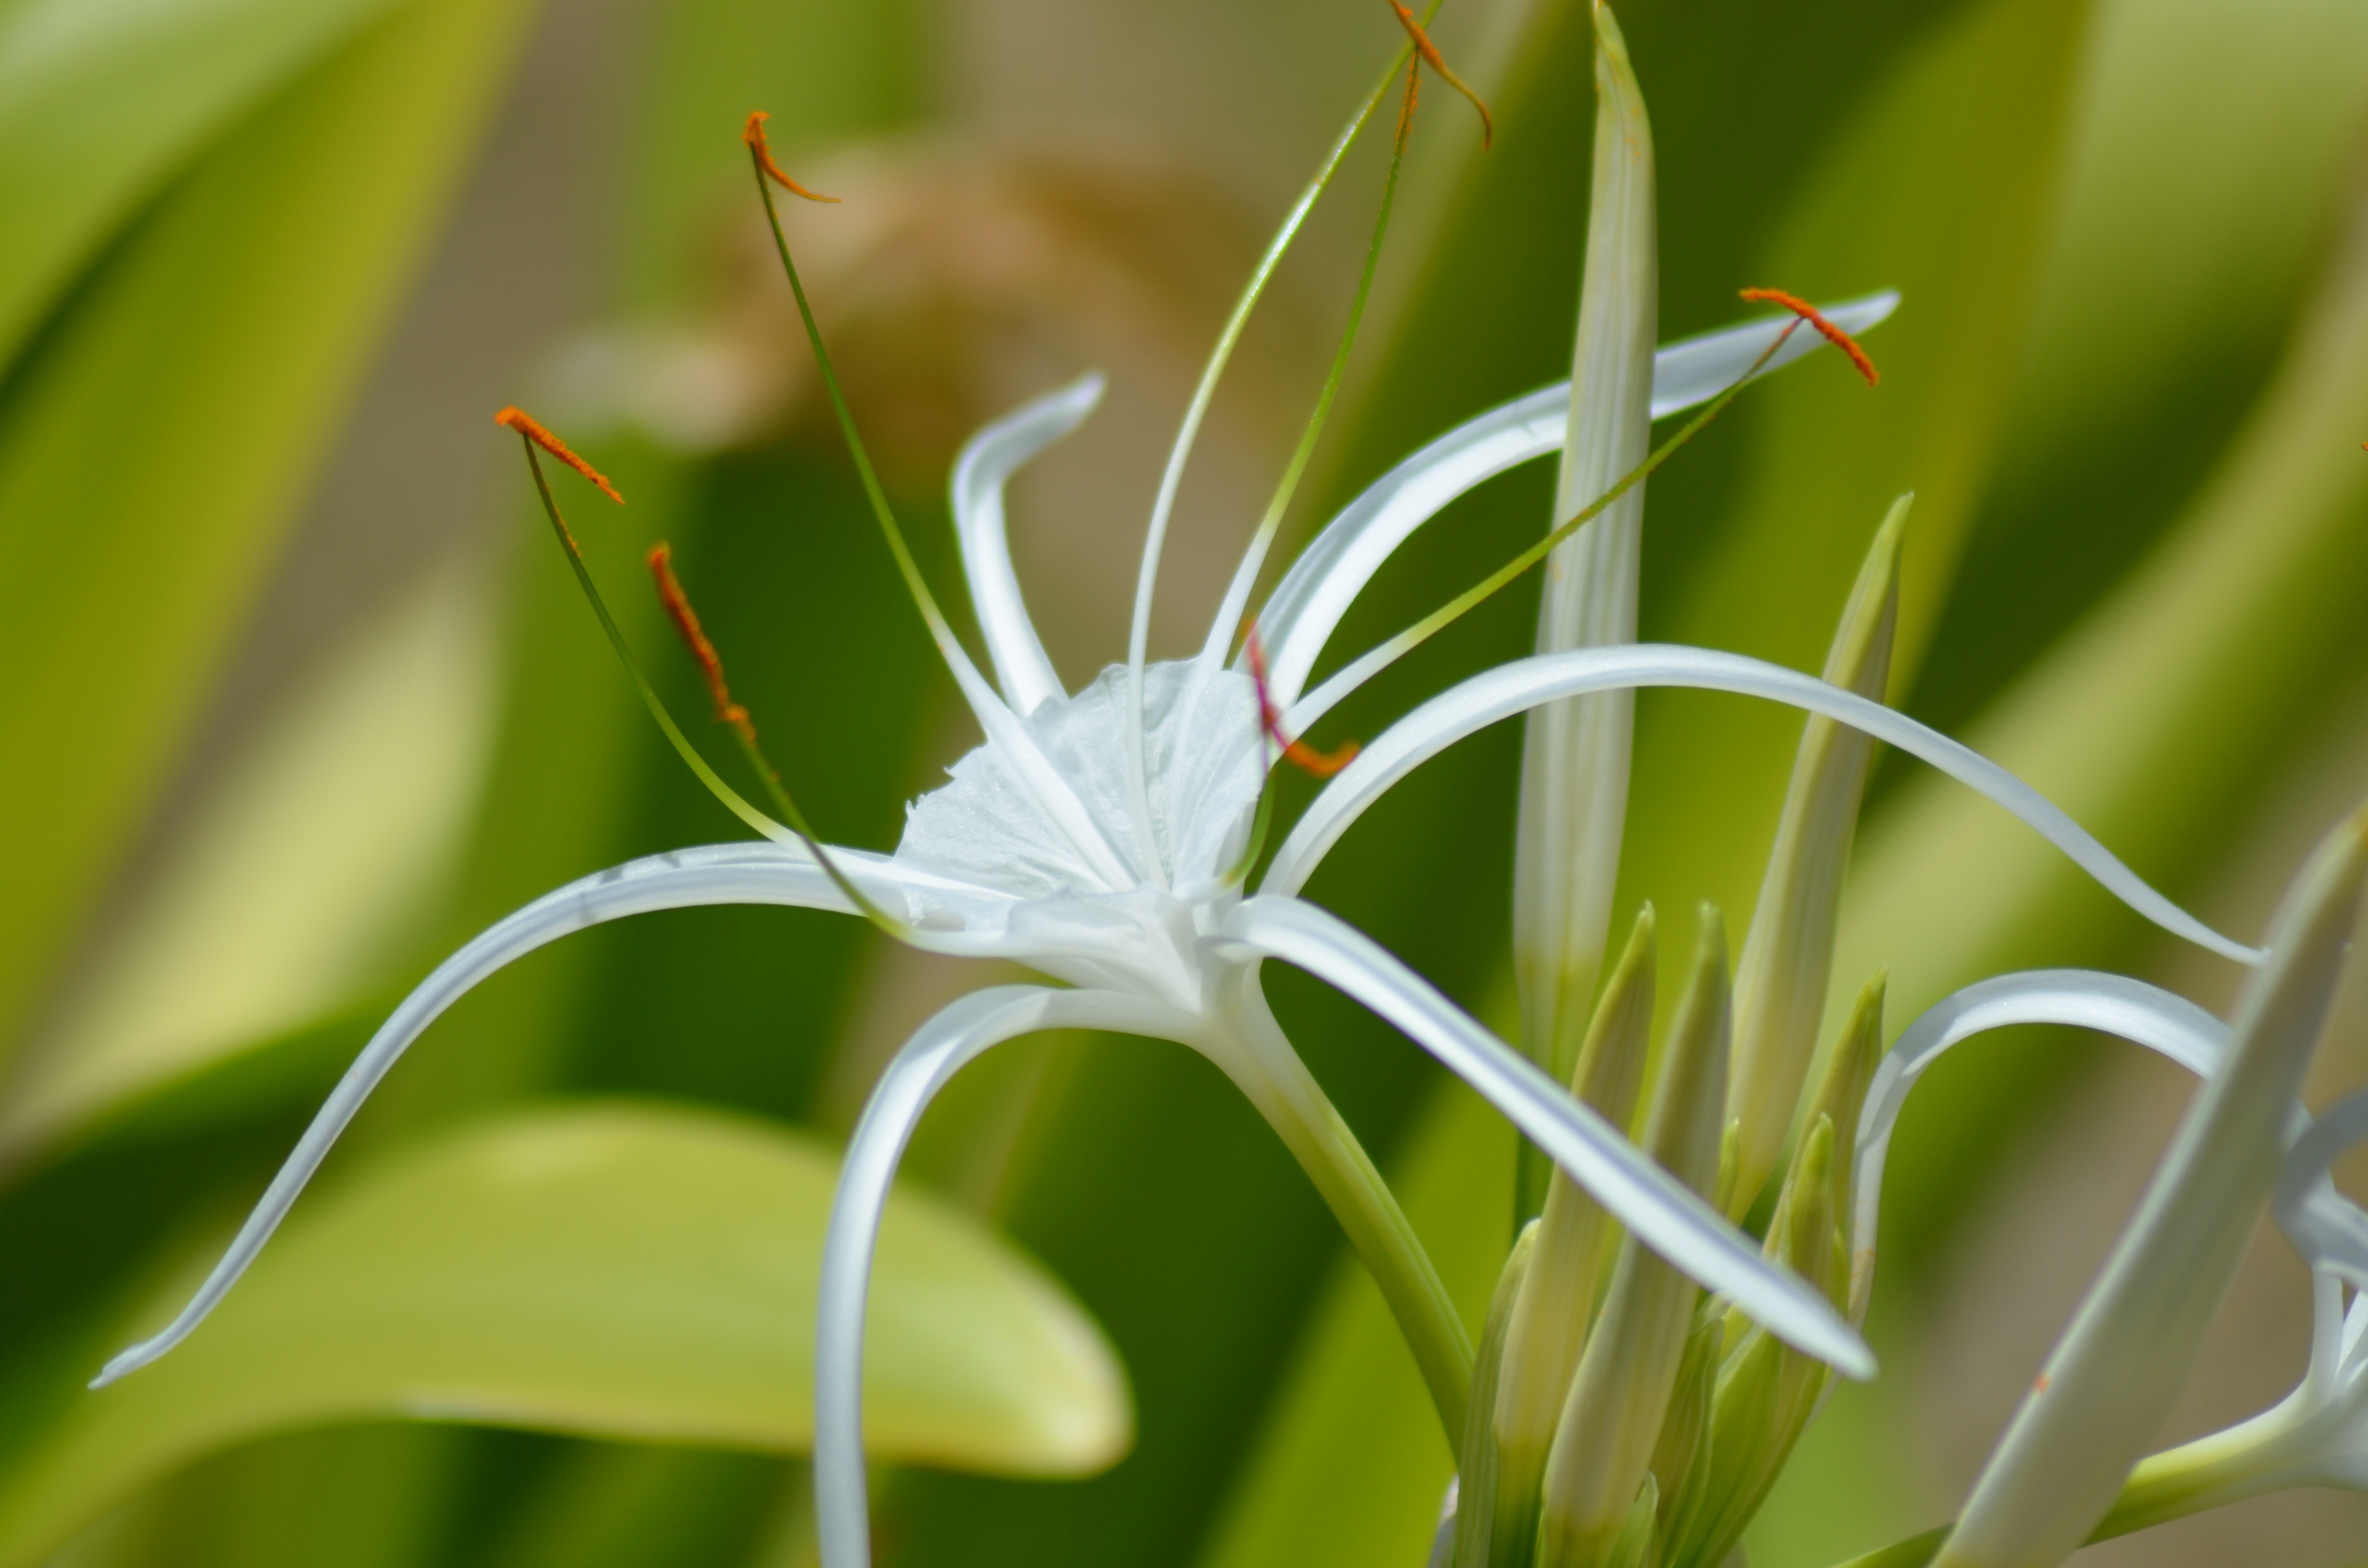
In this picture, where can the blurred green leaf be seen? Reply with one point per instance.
(102, 100)
(352, 1495)
(2210, 146)
(1939, 189)
(629, 1271)
(275, 906)
(156, 444)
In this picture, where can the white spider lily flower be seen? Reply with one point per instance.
(1575, 754)
(2111, 1378)
(1046, 849)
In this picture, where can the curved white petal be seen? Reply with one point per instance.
(1652, 1203)
(1305, 608)
(723, 873)
(950, 1040)
(2327, 1229)
(2109, 1004)
(988, 458)
(1515, 688)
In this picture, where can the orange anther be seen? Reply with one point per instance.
(754, 135)
(1432, 58)
(1320, 764)
(686, 621)
(525, 425)
(1816, 318)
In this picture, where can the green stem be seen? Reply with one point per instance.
(1261, 1061)
(2209, 1474)
(939, 631)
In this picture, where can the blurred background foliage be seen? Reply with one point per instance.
(299, 699)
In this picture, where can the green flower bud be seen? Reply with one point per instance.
(1767, 1390)
(1780, 986)
(1612, 1421)
(1575, 753)
(1557, 1296)
(1476, 1474)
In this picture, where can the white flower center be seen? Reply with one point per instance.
(1204, 764)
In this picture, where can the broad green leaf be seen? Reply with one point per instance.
(301, 873)
(619, 1270)
(1351, 1468)
(102, 100)
(156, 447)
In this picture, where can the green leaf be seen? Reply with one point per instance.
(102, 100)
(153, 449)
(622, 1270)
(270, 911)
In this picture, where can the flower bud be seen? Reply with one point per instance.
(1557, 1296)
(1612, 1421)
(1780, 986)
(1575, 753)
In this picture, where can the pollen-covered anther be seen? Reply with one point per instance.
(694, 637)
(1298, 754)
(527, 425)
(753, 134)
(1428, 52)
(1817, 318)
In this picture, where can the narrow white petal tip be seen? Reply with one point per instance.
(1076, 400)
(1858, 315)
(125, 1364)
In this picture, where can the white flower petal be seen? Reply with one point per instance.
(1305, 608)
(1512, 688)
(988, 458)
(957, 1036)
(2327, 1229)
(1654, 1204)
(2108, 1004)
(722, 873)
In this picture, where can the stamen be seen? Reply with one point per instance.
(1317, 764)
(794, 831)
(694, 637)
(1432, 58)
(1816, 318)
(527, 425)
(754, 135)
